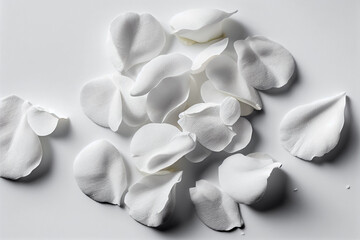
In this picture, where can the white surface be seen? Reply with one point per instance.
(50, 48)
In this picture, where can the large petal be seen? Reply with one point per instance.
(204, 57)
(168, 95)
(199, 25)
(244, 178)
(101, 101)
(264, 64)
(20, 147)
(41, 121)
(314, 129)
(215, 208)
(100, 172)
(224, 75)
(203, 119)
(152, 199)
(159, 68)
(243, 130)
(135, 39)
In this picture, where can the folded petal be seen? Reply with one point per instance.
(203, 58)
(263, 63)
(161, 67)
(244, 178)
(230, 111)
(152, 199)
(101, 102)
(215, 208)
(21, 150)
(198, 154)
(243, 130)
(100, 172)
(199, 25)
(224, 75)
(203, 119)
(41, 121)
(135, 38)
(313, 129)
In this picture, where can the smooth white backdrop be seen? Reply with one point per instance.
(49, 49)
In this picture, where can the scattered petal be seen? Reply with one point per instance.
(158, 69)
(313, 129)
(244, 178)
(100, 172)
(203, 119)
(264, 64)
(199, 25)
(224, 75)
(135, 39)
(199, 154)
(41, 121)
(230, 111)
(151, 200)
(243, 130)
(215, 209)
(204, 57)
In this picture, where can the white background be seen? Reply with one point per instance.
(49, 49)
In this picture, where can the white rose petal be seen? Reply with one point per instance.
(151, 200)
(134, 39)
(41, 121)
(199, 154)
(243, 130)
(100, 172)
(215, 208)
(314, 129)
(244, 178)
(199, 25)
(230, 111)
(264, 64)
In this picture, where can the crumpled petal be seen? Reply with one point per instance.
(264, 64)
(243, 130)
(215, 208)
(152, 199)
(224, 75)
(244, 178)
(313, 129)
(101, 102)
(168, 95)
(210, 94)
(230, 111)
(158, 69)
(199, 154)
(41, 121)
(204, 57)
(199, 25)
(133, 39)
(203, 119)
(100, 172)
(157, 146)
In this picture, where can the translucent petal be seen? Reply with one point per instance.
(243, 130)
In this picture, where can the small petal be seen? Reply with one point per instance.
(264, 64)
(204, 57)
(100, 172)
(160, 68)
(230, 111)
(224, 75)
(244, 178)
(199, 154)
(152, 199)
(135, 39)
(215, 208)
(199, 25)
(203, 119)
(101, 101)
(243, 130)
(42, 122)
(313, 129)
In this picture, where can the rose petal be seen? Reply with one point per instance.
(223, 74)
(204, 57)
(199, 154)
(243, 130)
(203, 119)
(151, 200)
(264, 64)
(101, 101)
(42, 122)
(160, 68)
(244, 178)
(215, 208)
(100, 172)
(199, 25)
(230, 111)
(134, 39)
(313, 129)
